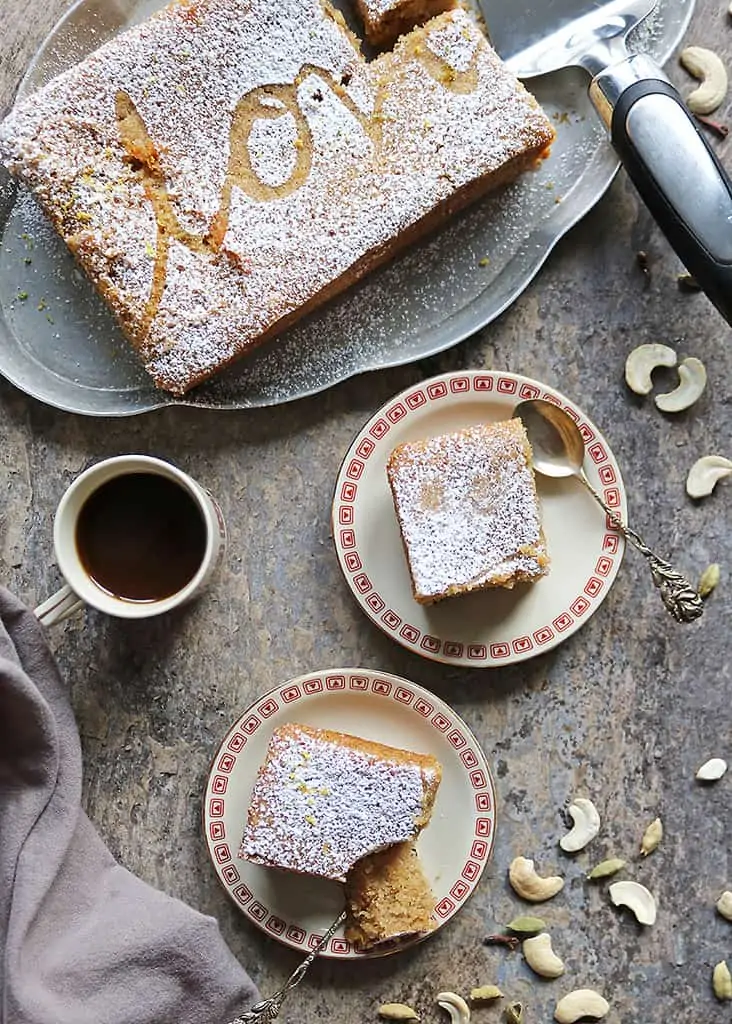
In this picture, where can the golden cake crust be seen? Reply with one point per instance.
(468, 510)
(226, 166)
(322, 800)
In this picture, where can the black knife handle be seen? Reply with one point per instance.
(680, 180)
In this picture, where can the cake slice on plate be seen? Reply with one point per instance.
(468, 510)
(322, 800)
(333, 805)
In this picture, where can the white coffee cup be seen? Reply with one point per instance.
(80, 587)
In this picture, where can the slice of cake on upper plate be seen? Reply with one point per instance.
(323, 800)
(227, 165)
(468, 510)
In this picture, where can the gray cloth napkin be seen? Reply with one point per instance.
(82, 941)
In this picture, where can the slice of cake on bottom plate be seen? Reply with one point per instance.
(468, 510)
(333, 805)
(323, 800)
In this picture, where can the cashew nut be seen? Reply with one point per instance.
(707, 66)
(397, 1011)
(455, 1005)
(485, 993)
(586, 825)
(636, 898)
(724, 905)
(540, 956)
(705, 473)
(529, 885)
(693, 380)
(712, 770)
(641, 363)
(651, 837)
(722, 981)
(583, 1002)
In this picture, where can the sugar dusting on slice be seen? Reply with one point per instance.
(468, 509)
(318, 805)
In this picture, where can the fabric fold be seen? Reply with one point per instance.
(82, 940)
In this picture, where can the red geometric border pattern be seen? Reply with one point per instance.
(578, 608)
(224, 854)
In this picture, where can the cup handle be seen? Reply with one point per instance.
(58, 606)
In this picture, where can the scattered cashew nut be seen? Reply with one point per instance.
(692, 381)
(707, 66)
(455, 1005)
(705, 473)
(636, 898)
(651, 837)
(541, 958)
(712, 770)
(397, 1011)
(722, 981)
(583, 1002)
(586, 825)
(724, 905)
(641, 363)
(529, 885)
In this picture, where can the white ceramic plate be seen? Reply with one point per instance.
(491, 627)
(454, 848)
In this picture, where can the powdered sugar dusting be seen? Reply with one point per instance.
(370, 179)
(468, 509)
(319, 805)
(454, 44)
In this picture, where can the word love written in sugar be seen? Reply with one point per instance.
(264, 102)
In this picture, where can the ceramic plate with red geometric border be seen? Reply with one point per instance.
(486, 628)
(454, 847)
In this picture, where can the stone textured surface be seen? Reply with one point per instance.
(624, 711)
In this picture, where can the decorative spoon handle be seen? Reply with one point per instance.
(677, 593)
(269, 1009)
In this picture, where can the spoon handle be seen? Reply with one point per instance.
(677, 593)
(269, 1009)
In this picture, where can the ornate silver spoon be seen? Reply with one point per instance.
(559, 451)
(269, 1009)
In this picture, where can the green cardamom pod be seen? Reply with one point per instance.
(526, 925)
(515, 1013)
(709, 579)
(607, 868)
(485, 993)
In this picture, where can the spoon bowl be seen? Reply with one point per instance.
(559, 451)
(556, 443)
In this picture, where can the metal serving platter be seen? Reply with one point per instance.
(59, 343)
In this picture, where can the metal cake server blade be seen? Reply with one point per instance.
(543, 37)
(669, 161)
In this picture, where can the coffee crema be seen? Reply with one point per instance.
(141, 537)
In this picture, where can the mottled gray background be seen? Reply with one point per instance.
(625, 710)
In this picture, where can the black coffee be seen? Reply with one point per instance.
(141, 537)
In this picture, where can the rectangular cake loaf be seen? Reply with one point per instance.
(225, 166)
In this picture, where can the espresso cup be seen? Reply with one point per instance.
(134, 537)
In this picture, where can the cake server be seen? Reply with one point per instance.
(670, 163)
